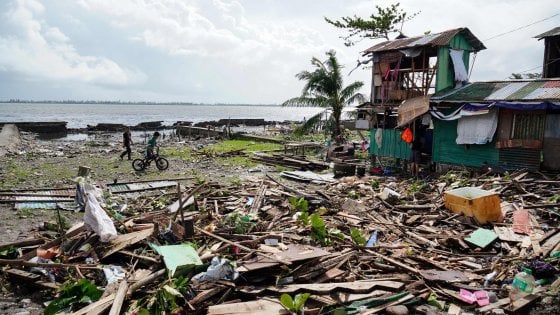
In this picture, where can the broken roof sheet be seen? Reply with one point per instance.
(436, 39)
(518, 90)
(553, 32)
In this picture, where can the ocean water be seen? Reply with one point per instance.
(81, 115)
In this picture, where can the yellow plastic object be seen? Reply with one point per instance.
(483, 205)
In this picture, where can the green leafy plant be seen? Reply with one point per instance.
(352, 194)
(199, 179)
(357, 237)
(374, 184)
(296, 304)
(240, 223)
(9, 252)
(318, 229)
(81, 292)
(555, 198)
(300, 204)
(303, 206)
(168, 299)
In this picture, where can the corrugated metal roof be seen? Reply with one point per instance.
(553, 32)
(437, 39)
(527, 90)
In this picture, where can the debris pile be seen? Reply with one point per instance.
(272, 246)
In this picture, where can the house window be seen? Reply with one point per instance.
(528, 126)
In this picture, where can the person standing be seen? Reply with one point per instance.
(415, 155)
(152, 143)
(127, 142)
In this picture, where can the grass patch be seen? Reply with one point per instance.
(247, 145)
(25, 213)
(15, 174)
(183, 153)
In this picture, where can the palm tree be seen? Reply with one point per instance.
(324, 88)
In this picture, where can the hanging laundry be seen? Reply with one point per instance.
(458, 65)
(477, 129)
(379, 137)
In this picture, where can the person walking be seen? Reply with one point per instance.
(127, 142)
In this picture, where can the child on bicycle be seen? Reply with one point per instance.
(152, 145)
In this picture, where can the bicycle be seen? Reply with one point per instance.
(141, 164)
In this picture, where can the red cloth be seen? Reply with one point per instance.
(406, 135)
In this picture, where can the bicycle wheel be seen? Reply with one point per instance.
(138, 165)
(162, 163)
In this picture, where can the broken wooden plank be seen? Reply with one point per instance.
(23, 243)
(550, 243)
(442, 275)
(395, 262)
(97, 307)
(262, 306)
(327, 288)
(119, 298)
(124, 240)
(259, 199)
(507, 234)
(491, 306)
(522, 302)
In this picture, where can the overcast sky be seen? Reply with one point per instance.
(219, 51)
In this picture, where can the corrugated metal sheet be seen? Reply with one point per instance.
(553, 32)
(528, 90)
(35, 205)
(506, 91)
(545, 94)
(123, 188)
(446, 150)
(518, 158)
(117, 188)
(391, 146)
(436, 39)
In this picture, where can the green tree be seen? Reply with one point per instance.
(324, 88)
(379, 25)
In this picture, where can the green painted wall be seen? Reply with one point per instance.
(445, 73)
(391, 146)
(445, 150)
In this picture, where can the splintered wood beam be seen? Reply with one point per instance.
(395, 262)
(241, 246)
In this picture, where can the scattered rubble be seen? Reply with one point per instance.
(292, 242)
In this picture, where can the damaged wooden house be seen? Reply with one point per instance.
(405, 72)
(421, 83)
(507, 125)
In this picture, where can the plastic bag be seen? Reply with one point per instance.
(406, 135)
(98, 221)
(218, 269)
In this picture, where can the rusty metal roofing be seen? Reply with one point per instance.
(553, 32)
(517, 90)
(436, 39)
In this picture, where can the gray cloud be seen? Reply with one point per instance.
(225, 51)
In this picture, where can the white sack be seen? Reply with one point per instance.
(98, 221)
